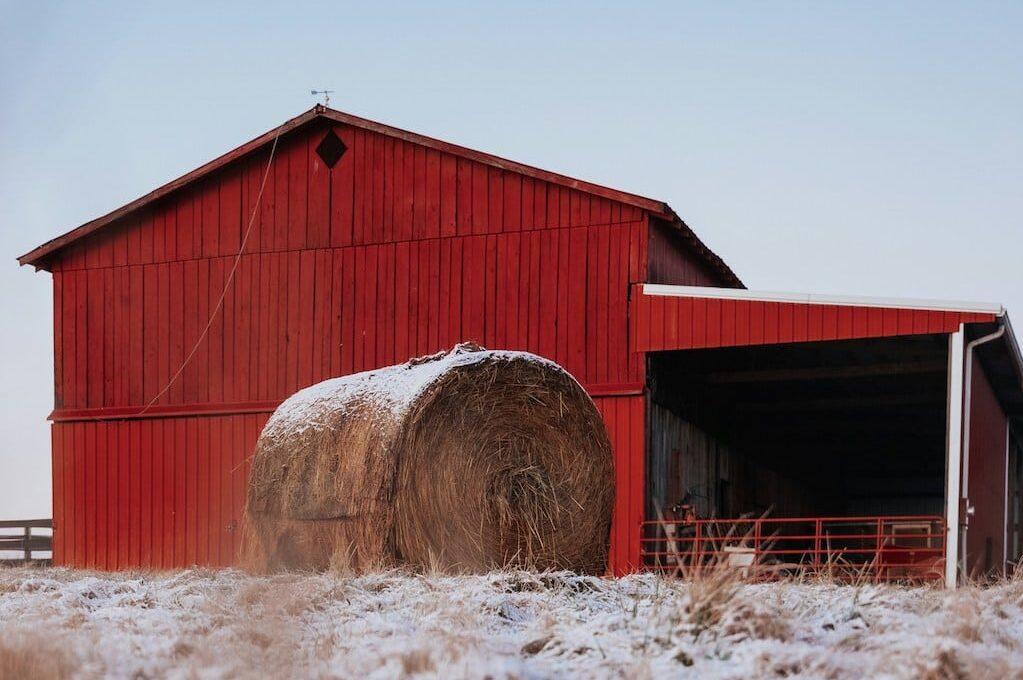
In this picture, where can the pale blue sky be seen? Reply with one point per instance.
(855, 148)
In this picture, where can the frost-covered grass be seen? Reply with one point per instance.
(198, 624)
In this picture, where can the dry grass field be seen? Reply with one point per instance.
(59, 623)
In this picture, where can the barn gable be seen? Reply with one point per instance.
(462, 191)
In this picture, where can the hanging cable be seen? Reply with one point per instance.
(227, 283)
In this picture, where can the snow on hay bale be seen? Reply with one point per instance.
(465, 461)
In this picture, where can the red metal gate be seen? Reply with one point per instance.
(894, 548)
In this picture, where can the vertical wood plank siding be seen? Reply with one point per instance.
(987, 483)
(683, 458)
(158, 493)
(397, 251)
(660, 322)
(625, 418)
(670, 262)
(543, 268)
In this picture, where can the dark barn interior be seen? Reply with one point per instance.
(844, 428)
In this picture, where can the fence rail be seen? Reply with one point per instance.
(893, 548)
(16, 536)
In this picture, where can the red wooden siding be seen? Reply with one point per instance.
(625, 418)
(153, 493)
(297, 317)
(671, 262)
(988, 439)
(162, 493)
(668, 322)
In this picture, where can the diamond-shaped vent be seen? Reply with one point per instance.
(330, 149)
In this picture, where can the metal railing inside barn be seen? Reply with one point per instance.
(905, 548)
(20, 544)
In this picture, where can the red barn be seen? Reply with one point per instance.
(334, 244)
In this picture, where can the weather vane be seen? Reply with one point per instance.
(326, 95)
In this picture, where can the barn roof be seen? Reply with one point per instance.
(666, 318)
(41, 256)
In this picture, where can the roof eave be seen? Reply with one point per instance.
(1013, 344)
(642, 202)
(39, 256)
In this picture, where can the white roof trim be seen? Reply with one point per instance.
(815, 299)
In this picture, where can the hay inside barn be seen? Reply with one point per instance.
(465, 461)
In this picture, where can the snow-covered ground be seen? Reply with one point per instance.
(199, 624)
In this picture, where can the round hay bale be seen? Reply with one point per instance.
(463, 461)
